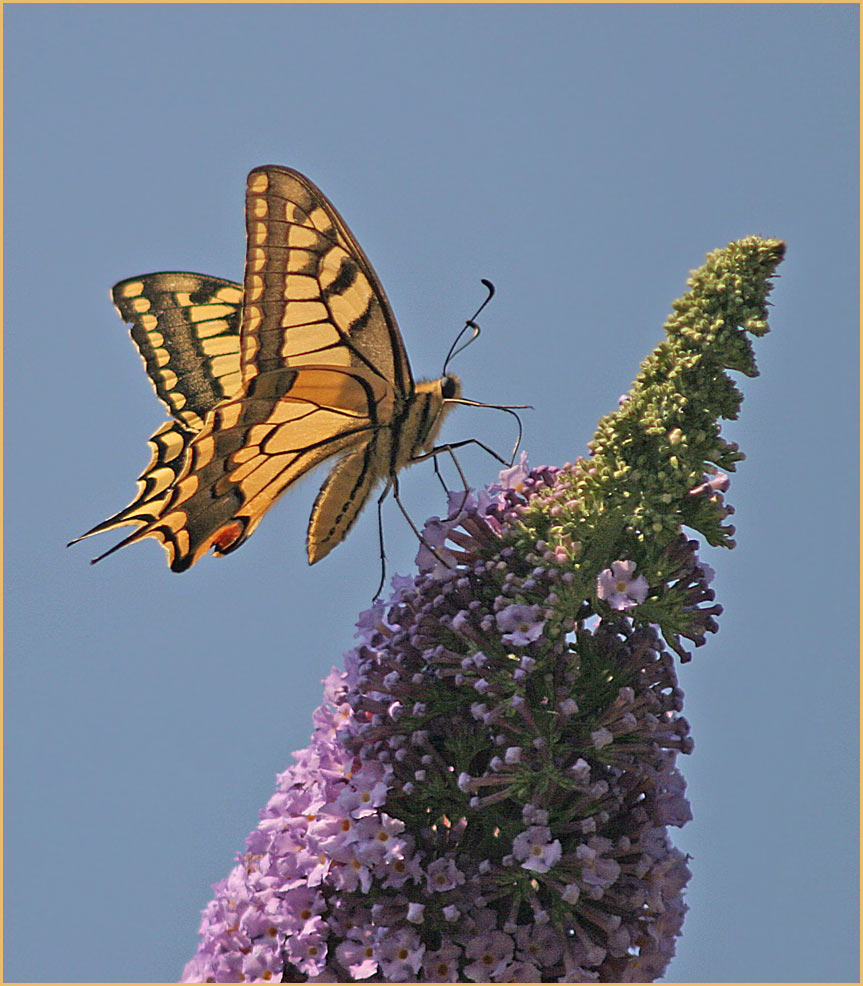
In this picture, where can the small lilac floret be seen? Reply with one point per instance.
(536, 850)
(416, 912)
(442, 874)
(514, 477)
(570, 893)
(618, 588)
(717, 483)
(568, 707)
(492, 952)
(707, 573)
(441, 966)
(357, 955)
(520, 624)
(533, 815)
(400, 954)
(601, 737)
(441, 561)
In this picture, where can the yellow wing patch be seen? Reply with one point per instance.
(167, 454)
(343, 495)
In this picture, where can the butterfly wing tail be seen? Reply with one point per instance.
(203, 504)
(167, 455)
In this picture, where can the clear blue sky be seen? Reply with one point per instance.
(584, 158)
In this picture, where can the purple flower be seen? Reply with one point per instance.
(442, 965)
(443, 874)
(433, 556)
(514, 477)
(363, 795)
(539, 944)
(618, 588)
(466, 813)
(519, 624)
(416, 913)
(400, 954)
(707, 573)
(307, 949)
(535, 849)
(264, 961)
(519, 972)
(718, 482)
(357, 954)
(491, 953)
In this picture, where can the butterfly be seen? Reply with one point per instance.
(301, 363)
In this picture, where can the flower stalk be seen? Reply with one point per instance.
(491, 780)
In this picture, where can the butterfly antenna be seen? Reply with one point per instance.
(458, 346)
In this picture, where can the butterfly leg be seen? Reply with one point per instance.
(462, 477)
(395, 487)
(437, 473)
(381, 499)
(439, 449)
(468, 441)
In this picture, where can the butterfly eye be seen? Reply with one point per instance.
(449, 387)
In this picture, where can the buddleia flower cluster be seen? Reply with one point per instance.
(491, 781)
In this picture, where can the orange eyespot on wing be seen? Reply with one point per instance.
(226, 539)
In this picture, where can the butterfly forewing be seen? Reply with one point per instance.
(311, 295)
(187, 330)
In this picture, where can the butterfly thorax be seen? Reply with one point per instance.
(423, 416)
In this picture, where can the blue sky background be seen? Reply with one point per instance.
(584, 158)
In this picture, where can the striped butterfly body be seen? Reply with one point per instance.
(264, 381)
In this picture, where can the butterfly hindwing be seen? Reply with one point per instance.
(343, 495)
(253, 448)
(168, 446)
